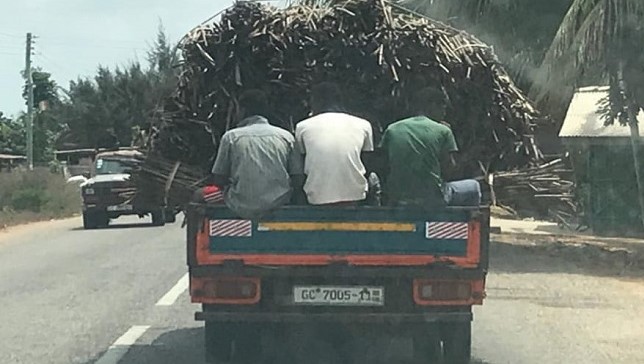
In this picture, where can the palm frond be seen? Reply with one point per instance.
(587, 39)
(448, 8)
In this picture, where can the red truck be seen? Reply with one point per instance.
(418, 270)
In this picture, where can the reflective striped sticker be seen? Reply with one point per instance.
(446, 230)
(231, 228)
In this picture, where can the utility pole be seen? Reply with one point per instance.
(30, 103)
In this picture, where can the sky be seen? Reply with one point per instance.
(75, 36)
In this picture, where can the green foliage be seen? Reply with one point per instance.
(520, 30)
(115, 104)
(12, 136)
(601, 37)
(28, 199)
(36, 195)
(44, 88)
(118, 101)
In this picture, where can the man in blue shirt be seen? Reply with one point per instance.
(255, 160)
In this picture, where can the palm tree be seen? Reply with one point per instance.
(520, 31)
(603, 37)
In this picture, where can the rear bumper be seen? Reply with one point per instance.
(136, 210)
(367, 318)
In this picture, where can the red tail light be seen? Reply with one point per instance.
(440, 292)
(225, 290)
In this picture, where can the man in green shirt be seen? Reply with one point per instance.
(418, 149)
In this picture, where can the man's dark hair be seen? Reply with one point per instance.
(254, 102)
(326, 97)
(430, 102)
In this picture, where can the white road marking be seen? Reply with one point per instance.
(171, 297)
(121, 346)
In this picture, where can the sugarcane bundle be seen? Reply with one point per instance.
(546, 191)
(379, 53)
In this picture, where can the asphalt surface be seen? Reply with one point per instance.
(74, 296)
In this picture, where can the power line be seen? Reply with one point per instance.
(91, 40)
(52, 62)
(10, 35)
(96, 46)
(11, 48)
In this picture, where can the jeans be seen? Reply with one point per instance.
(466, 192)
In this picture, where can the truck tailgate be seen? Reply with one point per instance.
(357, 235)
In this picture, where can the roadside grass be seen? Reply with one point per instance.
(28, 196)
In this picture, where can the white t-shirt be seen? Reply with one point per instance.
(332, 143)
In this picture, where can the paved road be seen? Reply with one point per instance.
(74, 296)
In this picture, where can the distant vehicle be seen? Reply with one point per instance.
(111, 193)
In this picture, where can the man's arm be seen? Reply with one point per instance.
(221, 168)
(449, 152)
(367, 154)
(296, 168)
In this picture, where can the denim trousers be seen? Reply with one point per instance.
(465, 192)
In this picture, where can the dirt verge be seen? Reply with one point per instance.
(604, 256)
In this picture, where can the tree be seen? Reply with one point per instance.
(161, 53)
(46, 123)
(520, 31)
(604, 37)
(118, 101)
(13, 138)
(44, 88)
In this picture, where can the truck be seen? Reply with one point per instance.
(418, 271)
(111, 192)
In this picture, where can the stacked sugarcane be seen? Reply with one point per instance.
(546, 191)
(379, 53)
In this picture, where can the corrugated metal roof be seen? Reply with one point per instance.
(584, 120)
(124, 153)
(12, 157)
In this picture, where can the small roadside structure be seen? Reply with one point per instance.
(9, 162)
(77, 162)
(603, 164)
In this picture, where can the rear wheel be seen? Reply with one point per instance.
(103, 220)
(427, 345)
(170, 216)
(457, 342)
(226, 340)
(219, 343)
(247, 344)
(89, 221)
(158, 217)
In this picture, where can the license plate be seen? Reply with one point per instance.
(339, 295)
(120, 208)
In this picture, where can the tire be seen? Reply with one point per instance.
(427, 345)
(457, 342)
(170, 216)
(158, 217)
(247, 344)
(89, 221)
(102, 220)
(218, 343)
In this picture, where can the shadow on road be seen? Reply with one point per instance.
(564, 258)
(300, 347)
(118, 226)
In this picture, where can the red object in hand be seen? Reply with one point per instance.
(213, 194)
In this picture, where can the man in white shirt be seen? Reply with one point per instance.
(332, 142)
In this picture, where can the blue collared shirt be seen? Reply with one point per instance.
(258, 158)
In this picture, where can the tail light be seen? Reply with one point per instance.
(225, 290)
(433, 292)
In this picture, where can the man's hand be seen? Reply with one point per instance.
(220, 180)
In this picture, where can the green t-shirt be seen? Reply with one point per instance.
(415, 148)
